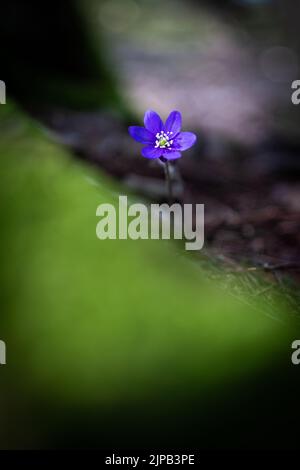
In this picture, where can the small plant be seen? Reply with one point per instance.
(164, 142)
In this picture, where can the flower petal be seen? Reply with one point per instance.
(140, 134)
(151, 152)
(173, 123)
(153, 122)
(171, 154)
(185, 140)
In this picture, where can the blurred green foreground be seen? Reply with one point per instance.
(122, 343)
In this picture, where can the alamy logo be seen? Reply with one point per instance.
(139, 221)
(296, 93)
(2, 92)
(296, 354)
(2, 353)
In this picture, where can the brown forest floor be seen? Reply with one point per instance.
(252, 200)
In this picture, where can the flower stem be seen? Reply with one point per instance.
(169, 182)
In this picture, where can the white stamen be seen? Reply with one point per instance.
(163, 140)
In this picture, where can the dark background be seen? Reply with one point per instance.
(127, 344)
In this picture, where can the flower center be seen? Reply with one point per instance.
(163, 140)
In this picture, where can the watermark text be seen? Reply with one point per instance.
(2, 353)
(157, 221)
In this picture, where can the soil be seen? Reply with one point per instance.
(251, 196)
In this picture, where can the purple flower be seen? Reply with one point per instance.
(163, 141)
